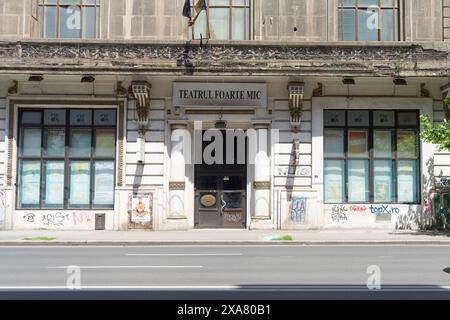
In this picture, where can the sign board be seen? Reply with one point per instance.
(141, 209)
(212, 94)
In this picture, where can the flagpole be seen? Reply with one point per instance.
(192, 25)
(208, 34)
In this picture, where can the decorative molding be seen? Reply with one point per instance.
(9, 168)
(261, 185)
(423, 91)
(14, 88)
(296, 91)
(121, 91)
(318, 92)
(239, 57)
(120, 145)
(177, 185)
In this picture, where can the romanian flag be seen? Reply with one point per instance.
(198, 7)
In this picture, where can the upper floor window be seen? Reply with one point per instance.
(69, 18)
(224, 20)
(368, 20)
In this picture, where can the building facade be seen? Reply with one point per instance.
(300, 114)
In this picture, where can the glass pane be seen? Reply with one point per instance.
(407, 143)
(406, 181)
(104, 183)
(70, 21)
(358, 118)
(357, 143)
(384, 118)
(219, 23)
(334, 181)
(81, 117)
(238, 24)
(89, 22)
(55, 117)
(232, 200)
(334, 143)
(29, 117)
(408, 119)
(347, 25)
(233, 183)
(105, 117)
(55, 142)
(200, 26)
(30, 184)
(382, 143)
(31, 142)
(368, 25)
(207, 183)
(80, 143)
(387, 25)
(80, 183)
(358, 181)
(367, 3)
(105, 142)
(383, 181)
(334, 118)
(50, 22)
(54, 184)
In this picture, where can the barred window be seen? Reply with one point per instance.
(368, 20)
(69, 18)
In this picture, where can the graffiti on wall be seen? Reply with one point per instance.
(297, 209)
(339, 213)
(58, 219)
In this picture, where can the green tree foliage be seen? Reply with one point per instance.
(438, 134)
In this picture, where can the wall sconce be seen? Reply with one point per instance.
(400, 82)
(296, 91)
(36, 78)
(87, 79)
(141, 92)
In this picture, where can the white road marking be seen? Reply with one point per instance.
(184, 254)
(125, 267)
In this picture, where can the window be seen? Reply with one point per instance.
(368, 20)
(66, 158)
(69, 18)
(228, 20)
(371, 156)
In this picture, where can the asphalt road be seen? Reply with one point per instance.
(225, 272)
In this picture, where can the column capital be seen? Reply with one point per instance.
(261, 123)
(178, 123)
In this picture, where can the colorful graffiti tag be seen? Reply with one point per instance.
(297, 209)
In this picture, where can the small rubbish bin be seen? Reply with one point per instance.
(441, 203)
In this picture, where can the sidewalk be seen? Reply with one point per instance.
(223, 237)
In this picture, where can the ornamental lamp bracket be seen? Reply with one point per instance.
(296, 91)
(141, 92)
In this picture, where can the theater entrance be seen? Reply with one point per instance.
(220, 192)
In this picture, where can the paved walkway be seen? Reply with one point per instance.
(223, 237)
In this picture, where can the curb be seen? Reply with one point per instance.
(123, 243)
